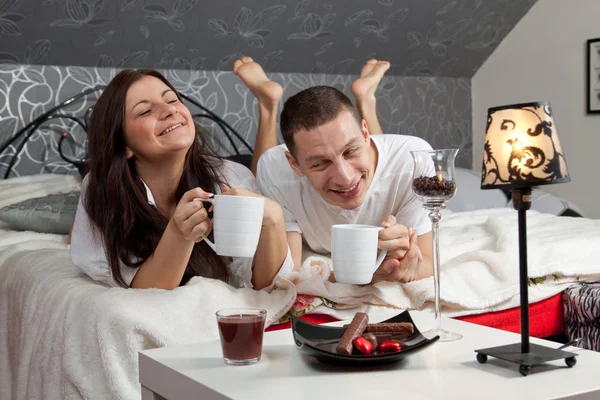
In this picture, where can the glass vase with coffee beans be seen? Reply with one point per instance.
(434, 183)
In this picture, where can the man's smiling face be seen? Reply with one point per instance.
(337, 159)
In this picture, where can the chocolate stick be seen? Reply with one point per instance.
(389, 327)
(352, 331)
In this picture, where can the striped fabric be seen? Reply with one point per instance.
(582, 314)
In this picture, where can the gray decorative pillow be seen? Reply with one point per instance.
(50, 214)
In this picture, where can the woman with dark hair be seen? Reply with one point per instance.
(137, 223)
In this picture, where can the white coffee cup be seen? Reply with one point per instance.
(237, 222)
(354, 252)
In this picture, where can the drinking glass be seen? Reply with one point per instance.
(434, 183)
(241, 331)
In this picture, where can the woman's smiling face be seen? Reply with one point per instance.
(156, 123)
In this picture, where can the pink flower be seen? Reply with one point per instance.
(303, 301)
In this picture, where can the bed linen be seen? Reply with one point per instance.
(480, 267)
(65, 336)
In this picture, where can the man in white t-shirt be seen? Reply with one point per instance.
(332, 171)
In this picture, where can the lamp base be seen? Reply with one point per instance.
(537, 355)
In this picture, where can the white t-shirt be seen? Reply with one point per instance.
(390, 193)
(88, 252)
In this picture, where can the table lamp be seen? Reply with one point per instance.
(521, 151)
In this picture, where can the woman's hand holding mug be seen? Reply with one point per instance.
(191, 217)
(237, 220)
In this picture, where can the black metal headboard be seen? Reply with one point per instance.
(20, 139)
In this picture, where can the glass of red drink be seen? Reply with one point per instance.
(241, 331)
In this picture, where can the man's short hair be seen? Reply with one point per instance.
(311, 108)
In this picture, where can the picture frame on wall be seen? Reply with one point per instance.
(593, 76)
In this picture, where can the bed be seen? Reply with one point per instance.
(64, 336)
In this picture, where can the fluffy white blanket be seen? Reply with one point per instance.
(63, 336)
(479, 267)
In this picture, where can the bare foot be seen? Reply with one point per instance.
(266, 91)
(370, 76)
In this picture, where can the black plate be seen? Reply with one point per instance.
(319, 341)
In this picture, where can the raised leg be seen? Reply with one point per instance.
(364, 91)
(268, 94)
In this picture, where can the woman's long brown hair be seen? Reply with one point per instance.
(116, 199)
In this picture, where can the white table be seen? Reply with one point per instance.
(442, 371)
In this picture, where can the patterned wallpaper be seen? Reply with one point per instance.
(449, 38)
(434, 108)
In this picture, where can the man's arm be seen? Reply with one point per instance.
(409, 256)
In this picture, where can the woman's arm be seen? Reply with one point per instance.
(272, 246)
(272, 251)
(164, 269)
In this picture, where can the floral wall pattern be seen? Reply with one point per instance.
(449, 38)
(50, 50)
(434, 108)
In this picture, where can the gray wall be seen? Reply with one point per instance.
(52, 49)
(419, 37)
(561, 81)
(436, 109)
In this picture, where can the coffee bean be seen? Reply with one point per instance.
(431, 186)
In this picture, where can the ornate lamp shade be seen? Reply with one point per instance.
(521, 151)
(522, 148)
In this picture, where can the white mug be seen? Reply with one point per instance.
(354, 252)
(237, 222)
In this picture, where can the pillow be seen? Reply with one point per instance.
(49, 214)
(16, 189)
(470, 197)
